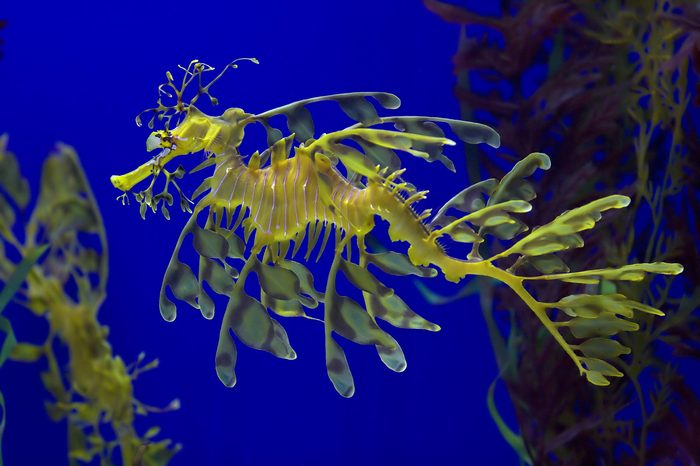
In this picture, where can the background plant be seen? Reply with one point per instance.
(67, 287)
(605, 88)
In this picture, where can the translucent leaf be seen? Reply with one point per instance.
(466, 131)
(152, 432)
(378, 155)
(63, 204)
(363, 279)
(278, 282)
(359, 109)
(338, 369)
(603, 325)
(395, 263)
(394, 310)
(209, 243)
(598, 370)
(468, 200)
(299, 119)
(285, 308)
(491, 215)
(306, 278)
(548, 263)
(603, 348)
(26, 352)
(393, 358)
(350, 320)
(226, 355)
(561, 233)
(353, 160)
(206, 305)
(512, 186)
(273, 134)
(236, 247)
(591, 306)
(252, 324)
(217, 277)
(182, 282)
(300, 122)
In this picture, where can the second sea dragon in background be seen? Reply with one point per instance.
(282, 200)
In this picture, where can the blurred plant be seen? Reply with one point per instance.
(577, 79)
(67, 288)
(8, 343)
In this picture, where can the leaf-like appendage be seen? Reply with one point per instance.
(561, 233)
(414, 144)
(226, 355)
(11, 180)
(396, 263)
(393, 358)
(252, 325)
(282, 307)
(278, 282)
(603, 348)
(236, 246)
(338, 368)
(489, 216)
(306, 279)
(604, 325)
(593, 318)
(597, 371)
(466, 131)
(394, 310)
(547, 263)
(363, 279)
(209, 243)
(359, 109)
(299, 120)
(630, 272)
(301, 123)
(349, 319)
(467, 201)
(63, 204)
(184, 285)
(218, 277)
(513, 186)
(379, 155)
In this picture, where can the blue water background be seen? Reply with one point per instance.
(79, 72)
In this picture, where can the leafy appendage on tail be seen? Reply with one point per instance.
(594, 319)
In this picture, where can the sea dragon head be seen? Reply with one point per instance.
(194, 131)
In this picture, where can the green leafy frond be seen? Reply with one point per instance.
(562, 232)
(630, 272)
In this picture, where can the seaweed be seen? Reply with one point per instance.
(611, 98)
(66, 286)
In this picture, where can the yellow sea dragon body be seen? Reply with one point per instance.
(294, 198)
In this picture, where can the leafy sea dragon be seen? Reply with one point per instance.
(342, 180)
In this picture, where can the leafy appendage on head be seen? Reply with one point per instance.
(194, 72)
